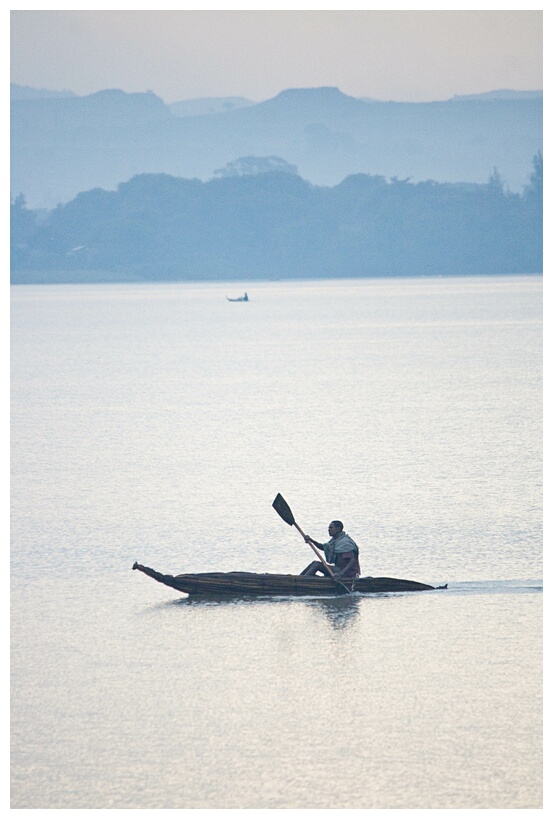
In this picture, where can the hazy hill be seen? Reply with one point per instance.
(62, 146)
(26, 92)
(207, 105)
(503, 94)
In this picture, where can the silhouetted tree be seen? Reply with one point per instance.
(535, 189)
(22, 229)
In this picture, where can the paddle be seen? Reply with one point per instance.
(282, 508)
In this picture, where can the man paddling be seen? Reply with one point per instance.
(340, 552)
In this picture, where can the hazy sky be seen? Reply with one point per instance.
(388, 55)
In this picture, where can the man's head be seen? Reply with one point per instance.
(335, 527)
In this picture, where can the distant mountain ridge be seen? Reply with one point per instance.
(26, 92)
(209, 105)
(62, 144)
(503, 94)
(203, 106)
(311, 102)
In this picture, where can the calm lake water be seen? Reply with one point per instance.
(157, 423)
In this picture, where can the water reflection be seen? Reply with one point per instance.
(341, 612)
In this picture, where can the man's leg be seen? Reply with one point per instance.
(313, 568)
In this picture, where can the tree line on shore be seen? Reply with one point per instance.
(277, 225)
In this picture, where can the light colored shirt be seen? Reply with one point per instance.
(337, 545)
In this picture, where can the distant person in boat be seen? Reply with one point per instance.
(245, 298)
(341, 553)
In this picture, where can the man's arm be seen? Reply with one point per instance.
(309, 539)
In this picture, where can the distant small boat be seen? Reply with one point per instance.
(249, 583)
(240, 298)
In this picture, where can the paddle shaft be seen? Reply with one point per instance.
(319, 555)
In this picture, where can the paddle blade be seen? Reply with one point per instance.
(283, 510)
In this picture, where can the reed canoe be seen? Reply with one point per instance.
(251, 583)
